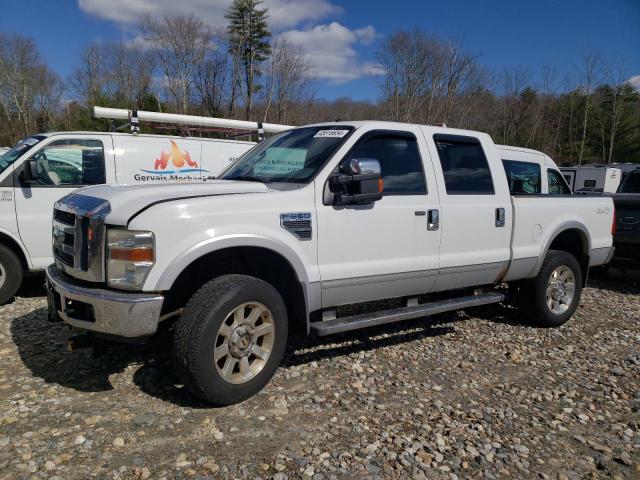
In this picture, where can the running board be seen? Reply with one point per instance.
(356, 322)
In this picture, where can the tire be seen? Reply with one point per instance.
(11, 274)
(210, 322)
(537, 302)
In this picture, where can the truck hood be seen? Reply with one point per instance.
(127, 201)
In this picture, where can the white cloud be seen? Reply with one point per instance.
(282, 13)
(635, 82)
(330, 51)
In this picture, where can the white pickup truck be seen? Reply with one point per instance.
(313, 219)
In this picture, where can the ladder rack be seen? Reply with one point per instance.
(230, 127)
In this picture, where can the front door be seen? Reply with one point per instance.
(60, 166)
(385, 249)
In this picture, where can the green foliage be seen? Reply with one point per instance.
(248, 44)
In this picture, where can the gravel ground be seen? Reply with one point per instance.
(478, 394)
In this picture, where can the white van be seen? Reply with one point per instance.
(43, 168)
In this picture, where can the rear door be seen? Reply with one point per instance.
(476, 210)
(63, 164)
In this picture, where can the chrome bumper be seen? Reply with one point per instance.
(104, 311)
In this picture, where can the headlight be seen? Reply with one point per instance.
(130, 256)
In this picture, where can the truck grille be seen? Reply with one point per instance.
(78, 236)
(66, 218)
(64, 257)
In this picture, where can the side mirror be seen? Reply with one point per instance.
(358, 182)
(29, 172)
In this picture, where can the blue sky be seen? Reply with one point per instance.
(341, 36)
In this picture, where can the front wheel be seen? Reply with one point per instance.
(230, 339)
(553, 295)
(11, 274)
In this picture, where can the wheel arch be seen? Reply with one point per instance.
(16, 246)
(278, 266)
(573, 238)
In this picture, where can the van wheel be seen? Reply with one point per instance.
(11, 274)
(230, 339)
(554, 294)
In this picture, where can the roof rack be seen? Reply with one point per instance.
(232, 128)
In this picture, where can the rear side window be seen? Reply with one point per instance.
(557, 185)
(400, 161)
(464, 165)
(631, 184)
(72, 162)
(523, 177)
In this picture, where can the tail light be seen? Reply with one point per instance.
(613, 224)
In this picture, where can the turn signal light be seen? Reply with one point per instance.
(132, 254)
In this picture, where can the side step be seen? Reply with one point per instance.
(355, 322)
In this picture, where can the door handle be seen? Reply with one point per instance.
(433, 220)
(500, 217)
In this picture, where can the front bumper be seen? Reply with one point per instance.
(102, 311)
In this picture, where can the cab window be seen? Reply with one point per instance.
(557, 185)
(523, 177)
(70, 162)
(400, 161)
(464, 165)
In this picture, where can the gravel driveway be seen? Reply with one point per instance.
(465, 395)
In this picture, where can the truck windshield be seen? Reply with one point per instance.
(631, 184)
(16, 152)
(291, 156)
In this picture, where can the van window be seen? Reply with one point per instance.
(557, 184)
(589, 184)
(72, 162)
(20, 149)
(400, 162)
(464, 165)
(523, 177)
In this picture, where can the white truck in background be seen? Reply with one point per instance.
(43, 168)
(310, 220)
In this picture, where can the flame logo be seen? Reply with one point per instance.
(181, 161)
(176, 156)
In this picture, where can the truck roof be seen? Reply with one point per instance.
(147, 135)
(382, 124)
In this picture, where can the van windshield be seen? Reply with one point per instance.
(292, 156)
(16, 152)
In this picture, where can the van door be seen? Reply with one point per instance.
(143, 159)
(386, 249)
(59, 166)
(476, 212)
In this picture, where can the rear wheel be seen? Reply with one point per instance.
(553, 295)
(11, 274)
(230, 339)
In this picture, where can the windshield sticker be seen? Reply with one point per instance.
(281, 161)
(331, 134)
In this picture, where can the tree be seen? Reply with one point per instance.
(181, 45)
(29, 91)
(288, 80)
(592, 71)
(248, 45)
